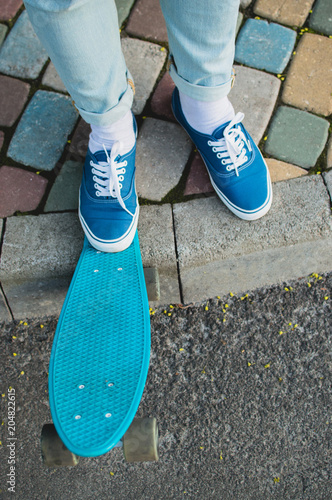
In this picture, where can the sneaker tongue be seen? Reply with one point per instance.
(219, 132)
(100, 155)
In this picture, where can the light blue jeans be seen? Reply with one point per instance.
(82, 39)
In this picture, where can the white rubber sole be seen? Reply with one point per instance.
(253, 215)
(111, 246)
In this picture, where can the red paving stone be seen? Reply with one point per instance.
(2, 137)
(198, 181)
(19, 190)
(9, 8)
(13, 96)
(147, 21)
(162, 98)
(80, 139)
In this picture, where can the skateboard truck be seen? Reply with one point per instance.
(140, 444)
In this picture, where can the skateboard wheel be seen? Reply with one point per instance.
(140, 443)
(54, 452)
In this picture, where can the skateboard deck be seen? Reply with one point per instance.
(101, 350)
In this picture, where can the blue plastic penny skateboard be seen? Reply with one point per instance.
(99, 362)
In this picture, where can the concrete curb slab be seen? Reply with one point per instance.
(218, 253)
(156, 235)
(40, 253)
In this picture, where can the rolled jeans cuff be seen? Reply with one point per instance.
(200, 92)
(114, 114)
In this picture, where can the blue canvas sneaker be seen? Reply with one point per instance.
(235, 165)
(108, 205)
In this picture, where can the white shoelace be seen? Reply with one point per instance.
(230, 148)
(109, 174)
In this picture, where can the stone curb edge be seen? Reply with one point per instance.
(200, 249)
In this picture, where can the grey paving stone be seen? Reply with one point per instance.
(163, 150)
(296, 137)
(244, 3)
(52, 79)
(39, 255)
(329, 153)
(22, 54)
(123, 8)
(328, 181)
(156, 236)
(42, 132)
(145, 61)
(3, 32)
(219, 253)
(255, 94)
(64, 192)
(239, 22)
(321, 18)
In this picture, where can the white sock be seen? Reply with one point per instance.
(122, 131)
(206, 116)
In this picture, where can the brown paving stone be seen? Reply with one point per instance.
(147, 21)
(198, 181)
(162, 98)
(19, 190)
(309, 80)
(2, 138)
(281, 171)
(289, 12)
(13, 96)
(9, 8)
(80, 139)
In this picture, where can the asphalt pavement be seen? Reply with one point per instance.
(241, 388)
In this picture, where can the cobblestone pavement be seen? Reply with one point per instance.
(283, 85)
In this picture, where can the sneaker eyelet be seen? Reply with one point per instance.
(209, 143)
(219, 155)
(121, 178)
(120, 185)
(97, 193)
(228, 168)
(96, 186)
(214, 149)
(223, 162)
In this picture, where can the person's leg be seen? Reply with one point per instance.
(202, 45)
(82, 39)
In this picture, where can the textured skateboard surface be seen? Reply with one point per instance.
(101, 349)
